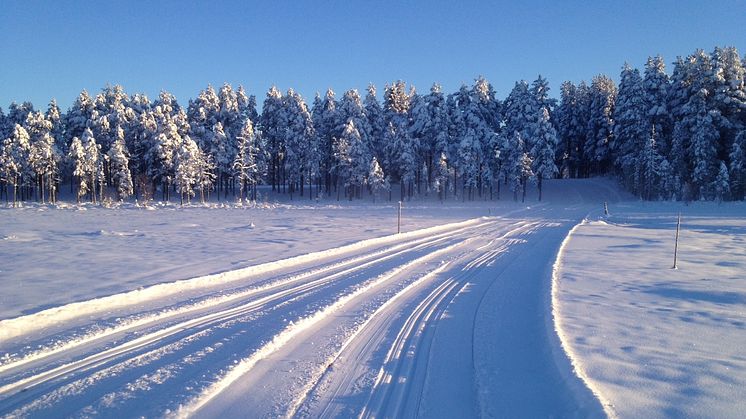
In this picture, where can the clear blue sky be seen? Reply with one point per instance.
(57, 48)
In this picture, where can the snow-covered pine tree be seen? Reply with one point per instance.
(15, 157)
(300, 144)
(43, 159)
(721, 185)
(78, 157)
(93, 164)
(325, 121)
(728, 96)
(545, 143)
(737, 157)
(421, 144)
(120, 172)
(203, 113)
(187, 164)
(246, 164)
(273, 125)
(436, 133)
(164, 142)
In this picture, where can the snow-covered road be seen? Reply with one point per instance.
(449, 321)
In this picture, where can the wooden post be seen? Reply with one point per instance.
(398, 221)
(676, 244)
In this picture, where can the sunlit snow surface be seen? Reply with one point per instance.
(656, 341)
(318, 310)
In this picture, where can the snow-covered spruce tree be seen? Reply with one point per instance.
(737, 157)
(540, 93)
(600, 123)
(648, 171)
(630, 127)
(400, 162)
(721, 185)
(440, 177)
(655, 85)
(376, 121)
(121, 176)
(436, 133)
(545, 143)
(245, 166)
(350, 108)
(351, 155)
(360, 155)
(519, 109)
(300, 160)
(376, 180)
(273, 125)
(488, 109)
(570, 131)
(517, 164)
(15, 156)
(703, 149)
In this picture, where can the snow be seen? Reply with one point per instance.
(317, 309)
(652, 341)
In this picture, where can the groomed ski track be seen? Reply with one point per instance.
(452, 321)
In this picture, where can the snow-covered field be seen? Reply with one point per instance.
(651, 340)
(318, 310)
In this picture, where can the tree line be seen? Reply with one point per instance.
(680, 136)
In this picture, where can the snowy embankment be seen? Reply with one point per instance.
(650, 340)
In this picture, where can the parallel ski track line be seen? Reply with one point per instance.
(411, 337)
(285, 280)
(205, 321)
(358, 332)
(291, 332)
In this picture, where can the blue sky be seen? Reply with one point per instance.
(56, 49)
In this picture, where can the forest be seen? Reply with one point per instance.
(677, 136)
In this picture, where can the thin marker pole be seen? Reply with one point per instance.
(398, 221)
(676, 245)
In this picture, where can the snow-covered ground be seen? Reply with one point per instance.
(320, 311)
(654, 341)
